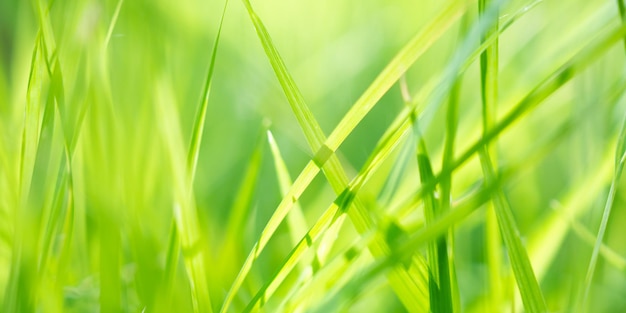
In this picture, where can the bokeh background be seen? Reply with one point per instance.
(124, 181)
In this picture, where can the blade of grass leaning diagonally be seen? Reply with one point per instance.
(439, 272)
(389, 141)
(489, 94)
(192, 159)
(439, 285)
(193, 243)
(620, 156)
(295, 219)
(620, 159)
(37, 141)
(244, 198)
(452, 121)
(312, 235)
(327, 220)
(557, 78)
(316, 138)
(511, 171)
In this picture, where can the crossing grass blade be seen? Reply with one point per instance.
(489, 93)
(192, 159)
(398, 128)
(192, 241)
(508, 174)
(611, 256)
(325, 153)
(439, 281)
(295, 219)
(439, 272)
(620, 159)
(240, 209)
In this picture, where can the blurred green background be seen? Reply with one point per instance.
(108, 220)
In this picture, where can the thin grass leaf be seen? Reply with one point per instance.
(241, 207)
(620, 157)
(192, 159)
(452, 120)
(439, 285)
(439, 272)
(508, 173)
(295, 219)
(315, 136)
(328, 219)
(192, 240)
(611, 256)
(499, 216)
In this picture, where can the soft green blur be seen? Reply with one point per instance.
(93, 145)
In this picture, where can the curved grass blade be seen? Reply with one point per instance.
(240, 209)
(313, 133)
(620, 157)
(439, 285)
(295, 218)
(192, 161)
(400, 126)
(192, 242)
(489, 95)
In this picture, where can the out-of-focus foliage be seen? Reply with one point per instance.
(370, 155)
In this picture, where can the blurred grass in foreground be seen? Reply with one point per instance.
(320, 156)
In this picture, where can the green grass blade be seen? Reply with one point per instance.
(620, 157)
(198, 125)
(439, 272)
(192, 241)
(489, 91)
(439, 285)
(311, 128)
(295, 219)
(192, 155)
(241, 207)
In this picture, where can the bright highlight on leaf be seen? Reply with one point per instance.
(316, 156)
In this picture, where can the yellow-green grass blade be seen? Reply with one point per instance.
(620, 158)
(240, 209)
(611, 256)
(398, 128)
(192, 159)
(557, 78)
(437, 253)
(489, 95)
(330, 216)
(192, 241)
(542, 248)
(199, 121)
(312, 130)
(510, 172)
(452, 121)
(439, 285)
(37, 163)
(295, 219)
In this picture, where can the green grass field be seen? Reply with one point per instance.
(312, 156)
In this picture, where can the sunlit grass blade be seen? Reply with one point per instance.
(508, 174)
(489, 93)
(295, 219)
(611, 256)
(439, 272)
(192, 158)
(439, 285)
(620, 159)
(241, 208)
(192, 241)
(313, 133)
(330, 217)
